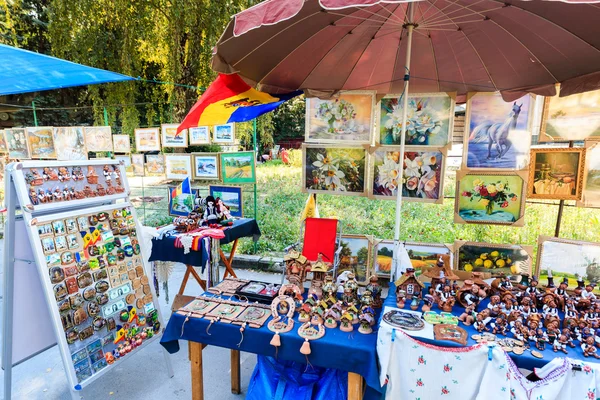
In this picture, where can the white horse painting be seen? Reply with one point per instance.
(496, 134)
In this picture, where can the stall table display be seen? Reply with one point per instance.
(164, 249)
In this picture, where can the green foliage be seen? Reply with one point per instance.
(288, 119)
(264, 132)
(295, 157)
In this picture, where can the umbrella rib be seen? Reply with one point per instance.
(396, 29)
(441, 10)
(449, 23)
(391, 14)
(555, 24)
(426, 11)
(355, 17)
(462, 8)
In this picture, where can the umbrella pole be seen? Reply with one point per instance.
(409, 29)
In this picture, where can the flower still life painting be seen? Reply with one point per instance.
(575, 117)
(347, 118)
(41, 142)
(591, 185)
(421, 179)
(556, 173)
(498, 132)
(334, 169)
(490, 198)
(69, 143)
(16, 141)
(494, 259)
(430, 118)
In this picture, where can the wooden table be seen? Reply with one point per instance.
(355, 381)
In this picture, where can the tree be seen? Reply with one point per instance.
(288, 119)
(362, 255)
(264, 132)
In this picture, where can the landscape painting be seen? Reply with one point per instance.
(199, 135)
(121, 144)
(238, 167)
(591, 184)
(172, 138)
(420, 254)
(498, 132)
(137, 162)
(348, 118)
(206, 166)
(568, 259)
(490, 197)
(16, 141)
(147, 139)
(422, 175)
(334, 169)
(430, 119)
(69, 143)
(231, 196)
(575, 117)
(41, 142)
(494, 259)
(183, 204)
(355, 256)
(224, 134)
(155, 164)
(556, 173)
(178, 167)
(98, 138)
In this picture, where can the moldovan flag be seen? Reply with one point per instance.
(183, 188)
(230, 99)
(310, 210)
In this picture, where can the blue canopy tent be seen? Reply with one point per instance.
(23, 71)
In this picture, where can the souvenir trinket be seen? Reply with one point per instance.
(228, 286)
(409, 285)
(72, 336)
(319, 270)
(346, 322)
(254, 315)
(63, 174)
(366, 320)
(92, 177)
(309, 332)
(49, 174)
(450, 332)
(33, 178)
(403, 320)
(295, 268)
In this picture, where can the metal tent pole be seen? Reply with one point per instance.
(255, 154)
(410, 25)
(35, 121)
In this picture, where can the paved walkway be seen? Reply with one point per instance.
(141, 375)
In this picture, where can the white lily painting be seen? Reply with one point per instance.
(334, 169)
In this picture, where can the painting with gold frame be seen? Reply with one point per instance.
(41, 142)
(556, 173)
(494, 197)
(420, 254)
(574, 117)
(590, 196)
(493, 260)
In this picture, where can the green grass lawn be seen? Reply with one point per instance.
(280, 202)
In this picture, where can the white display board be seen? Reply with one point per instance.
(74, 270)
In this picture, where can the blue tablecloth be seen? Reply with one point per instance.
(526, 360)
(165, 250)
(352, 352)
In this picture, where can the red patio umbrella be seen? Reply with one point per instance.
(324, 46)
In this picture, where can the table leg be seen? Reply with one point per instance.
(197, 377)
(186, 276)
(200, 281)
(355, 386)
(236, 387)
(190, 270)
(228, 260)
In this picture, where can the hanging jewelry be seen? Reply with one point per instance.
(242, 328)
(187, 318)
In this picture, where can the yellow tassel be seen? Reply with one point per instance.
(276, 341)
(305, 349)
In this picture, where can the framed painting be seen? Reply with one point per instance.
(170, 137)
(590, 196)
(206, 166)
(98, 138)
(556, 173)
(69, 143)
(224, 134)
(16, 142)
(137, 162)
(430, 119)
(231, 196)
(238, 167)
(490, 197)
(334, 169)
(41, 142)
(199, 135)
(3, 147)
(494, 260)
(121, 143)
(568, 259)
(347, 118)
(178, 166)
(422, 176)
(125, 160)
(497, 133)
(355, 256)
(420, 254)
(155, 164)
(147, 139)
(182, 205)
(574, 117)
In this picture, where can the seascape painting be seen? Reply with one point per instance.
(41, 142)
(575, 117)
(571, 259)
(16, 141)
(355, 256)
(347, 118)
(172, 138)
(430, 118)
(206, 166)
(490, 198)
(231, 196)
(498, 132)
(69, 143)
(556, 173)
(224, 133)
(495, 259)
(334, 169)
(422, 178)
(591, 187)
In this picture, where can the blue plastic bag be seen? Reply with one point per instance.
(280, 380)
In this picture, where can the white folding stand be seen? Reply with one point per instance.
(31, 317)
